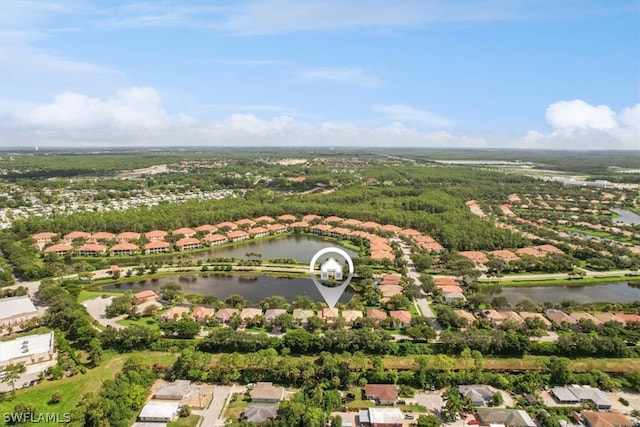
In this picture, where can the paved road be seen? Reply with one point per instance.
(213, 415)
(96, 308)
(421, 302)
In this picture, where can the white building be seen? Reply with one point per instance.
(15, 310)
(160, 411)
(36, 352)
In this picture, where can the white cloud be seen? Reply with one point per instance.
(578, 114)
(350, 76)
(405, 113)
(577, 124)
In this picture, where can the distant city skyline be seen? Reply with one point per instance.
(559, 74)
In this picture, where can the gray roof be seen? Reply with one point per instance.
(15, 306)
(477, 392)
(385, 416)
(258, 414)
(563, 394)
(175, 390)
(595, 395)
(508, 417)
(363, 415)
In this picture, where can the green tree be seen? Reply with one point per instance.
(12, 373)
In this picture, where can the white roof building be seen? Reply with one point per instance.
(16, 310)
(25, 349)
(385, 417)
(159, 410)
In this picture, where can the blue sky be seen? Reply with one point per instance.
(444, 73)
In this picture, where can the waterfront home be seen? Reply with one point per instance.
(215, 239)
(187, 243)
(237, 235)
(123, 248)
(91, 249)
(276, 228)
(155, 247)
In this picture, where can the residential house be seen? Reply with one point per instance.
(187, 243)
(382, 255)
(127, 236)
(60, 249)
(237, 235)
(391, 279)
(453, 297)
(609, 317)
(155, 247)
(250, 313)
(513, 316)
(583, 315)
(173, 314)
(340, 232)
(351, 223)
(207, 229)
(202, 314)
(124, 248)
(245, 223)
(276, 228)
(299, 225)
(376, 314)
(301, 315)
(15, 310)
(144, 296)
(445, 281)
(259, 414)
(564, 396)
(493, 315)
(479, 395)
(350, 316)
(450, 289)
(44, 238)
(383, 394)
(593, 395)
(605, 419)
(476, 256)
(257, 232)
(265, 392)
(183, 232)
(311, 218)
(410, 232)
(401, 318)
(465, 315)
(226, 226)
(370, 225)
(505, 255)
(70, 237)
(225, 314)
(628, 317)
(389, 291)
(527, 314)
(156, 235)
(333, 220)
(321, 228)
(558, 317)
(176, 390)
(102, 236)
(329, 315)
(91, 249)
(271, 314)
(390, 228)
(287, 218)
(504, 417)
(216, 239)
(264, 220)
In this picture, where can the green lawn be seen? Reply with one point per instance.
(148, 322)
(412, 408)
(235, 407)
(85, 295)
(74, 388)
(190, 421)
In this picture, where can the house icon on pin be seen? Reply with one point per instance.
(331, 266)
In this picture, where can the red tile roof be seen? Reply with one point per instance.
(215, 238)
(376, 314)
(125, 246)
(102, 235)
(475, 256)
(155, 234)
(128, 235)
(58, 248)
(187, 241)
(184, 231)
(402, 315)
(94, 247)
(156, 245)
(207, 228)
(287, 218)
(265, 218)
(44, 235)
(383, 392)
(76, 235)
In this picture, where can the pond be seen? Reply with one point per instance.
(626, 216)
(300, 247)
(255, 288)
(608, 292)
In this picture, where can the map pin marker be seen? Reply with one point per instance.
(331, 267)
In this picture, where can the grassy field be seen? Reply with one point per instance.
(148, 322)
(528, 283)
(74, 388)
(85, 295)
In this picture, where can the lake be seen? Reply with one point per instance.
(626, 216)
(300, 247)
(609, 292)
(255, 288)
